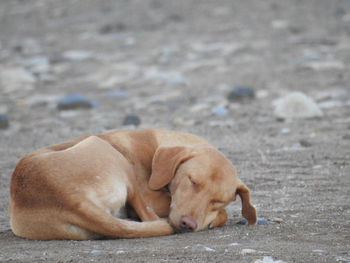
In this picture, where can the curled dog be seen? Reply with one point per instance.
(170, 181)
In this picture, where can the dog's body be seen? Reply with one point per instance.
(76, 189)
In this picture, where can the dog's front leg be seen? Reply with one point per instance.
(142, 209)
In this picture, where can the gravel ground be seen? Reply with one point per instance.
(172, 64)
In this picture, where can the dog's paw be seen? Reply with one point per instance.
(164, 224)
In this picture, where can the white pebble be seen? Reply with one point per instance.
(208, 249)
(199, 107)
(182, 122)
(285, 130)
(247, 251)
(77, 55)
(268, 259)
(324, 65)
(279, 24)
(233, 244)
(296, 106)
(96, 251)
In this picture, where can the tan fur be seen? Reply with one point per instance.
(77, 189)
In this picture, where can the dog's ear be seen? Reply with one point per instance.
(248, 210)
(165, 162)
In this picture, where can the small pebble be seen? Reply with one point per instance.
(112, 28)
(324, 65)
(280, 24)
(184, 123)
(77, 55)
(4, 122)
(233, 244)
(305, 59)
(346, 137)
(208, 249)
(340, 12)
(38, 64)
(277, 220)
(239, 93)
(305, 143)
(243, 221)
(177, 79)
(247, 251)
(268, 259)
(18, 48)
(96, 251)
(261, 220)
(285, 130)
(201, 107)
(75, 101)
(131, 119)
(118, 94)
(220, 110)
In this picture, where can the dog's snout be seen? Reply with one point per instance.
(187, 224)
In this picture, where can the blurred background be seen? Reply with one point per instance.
(265, 81)
(88, 66)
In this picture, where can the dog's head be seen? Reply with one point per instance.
(202, 182)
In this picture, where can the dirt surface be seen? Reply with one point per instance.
(172, 63)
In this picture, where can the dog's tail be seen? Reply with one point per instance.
(94, 219)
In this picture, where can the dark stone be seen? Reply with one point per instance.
(131, 119)
(175, 18)
(346, 137)
(56, 59)
(305, 143)
(111, 28)
(243, 221)
(4, 122)
(75, 101)
(340, 12)
(18, 48)
(296, 29)
(240, 93)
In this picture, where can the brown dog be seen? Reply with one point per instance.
(77, 189)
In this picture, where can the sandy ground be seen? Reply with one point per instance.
(172, 63)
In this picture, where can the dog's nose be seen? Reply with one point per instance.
(187, 224)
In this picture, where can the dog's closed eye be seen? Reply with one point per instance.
(192, 181)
